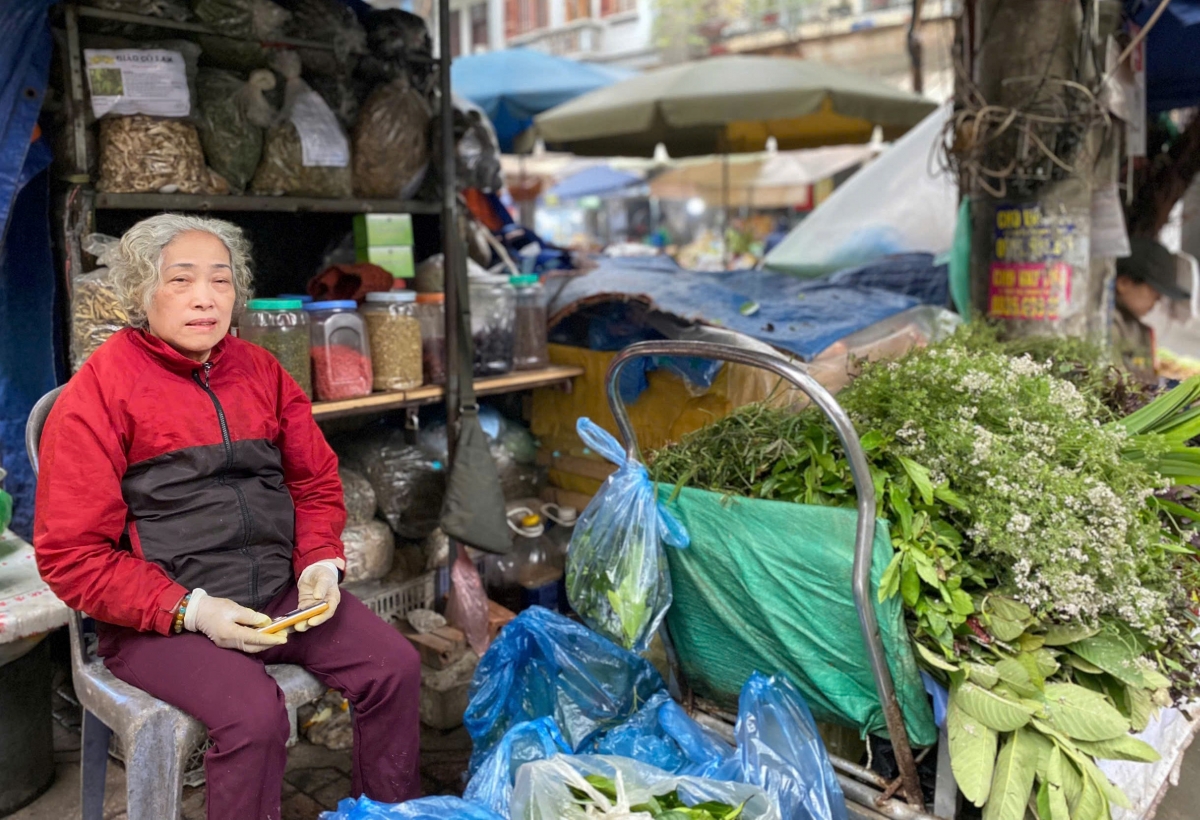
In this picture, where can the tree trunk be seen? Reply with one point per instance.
(1031, 268)
(1164, 182)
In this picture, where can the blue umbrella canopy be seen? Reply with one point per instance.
(514, 85)
(1172, 71)
(599, 180)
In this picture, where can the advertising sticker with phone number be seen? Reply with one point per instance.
(1030, 275)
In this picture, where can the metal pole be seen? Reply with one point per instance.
(450, 255)
(915, 47)
(865, 532)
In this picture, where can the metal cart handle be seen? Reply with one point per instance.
(865, 531)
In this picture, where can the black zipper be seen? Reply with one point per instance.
(243, 507)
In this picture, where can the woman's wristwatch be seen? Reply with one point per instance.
(181, 612)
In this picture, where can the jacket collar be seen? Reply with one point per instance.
(169, 357)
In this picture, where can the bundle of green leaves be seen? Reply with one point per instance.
(667, 806)
(1044, 581)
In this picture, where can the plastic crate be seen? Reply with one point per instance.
(394, 601)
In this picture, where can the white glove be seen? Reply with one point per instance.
(318, 582)
(228, 624)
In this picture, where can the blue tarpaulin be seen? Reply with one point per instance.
(1172, 70)
(514, 85)
(801, 316)
(27, 272)
(599, 180)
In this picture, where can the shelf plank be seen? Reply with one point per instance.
(383, 402)
(285, 204)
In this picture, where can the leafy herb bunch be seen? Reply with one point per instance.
(1043, 580)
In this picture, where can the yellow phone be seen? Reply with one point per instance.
(292, 618)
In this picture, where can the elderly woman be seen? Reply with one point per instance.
(187, 497)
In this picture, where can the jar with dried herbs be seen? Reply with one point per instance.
(529, 344)
(280, 326)
(431, 313)
(395, 335)
(493, 314)
(341, 354)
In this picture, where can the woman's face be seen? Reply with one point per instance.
(193, 306)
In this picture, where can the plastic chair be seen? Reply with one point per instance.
(156, 738)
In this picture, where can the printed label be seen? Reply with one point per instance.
(322, 143)
(137, 81)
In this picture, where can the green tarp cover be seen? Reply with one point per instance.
(766, 586)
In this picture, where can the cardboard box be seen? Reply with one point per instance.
(375, 230)
(395, 259)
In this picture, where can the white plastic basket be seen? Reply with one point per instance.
(394, 601)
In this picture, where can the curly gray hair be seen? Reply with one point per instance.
(136, 273)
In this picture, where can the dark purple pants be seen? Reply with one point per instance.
(355, 652)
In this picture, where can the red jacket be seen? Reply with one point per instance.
(160, 475)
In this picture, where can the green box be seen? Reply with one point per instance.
(396, 259)
(382, 230)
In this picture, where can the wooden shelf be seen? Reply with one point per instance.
(383, 402)
(191, 28)
(285, 204)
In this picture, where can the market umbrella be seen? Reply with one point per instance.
(760, 180)
(729, 104)
(599, 180)
(514, 85)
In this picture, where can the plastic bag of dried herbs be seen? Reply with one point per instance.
(328, 21)
(306, 152)
(96, 312)
(398, 44)
(359, 496)
(233, 114)
(391, 152)
(168, 9)
(141, 154)
(260, 19)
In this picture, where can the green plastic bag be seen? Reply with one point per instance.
(6, 503)
(766, 585)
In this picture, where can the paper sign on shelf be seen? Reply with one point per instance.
(137, 81)
(322, 141)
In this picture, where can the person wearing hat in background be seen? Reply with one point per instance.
(1145, 276)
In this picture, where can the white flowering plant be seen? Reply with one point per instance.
(1046, 574)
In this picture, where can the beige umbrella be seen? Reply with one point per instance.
(760, 180)
(729, 104)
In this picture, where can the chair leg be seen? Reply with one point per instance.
(154, 760)
(93, 766)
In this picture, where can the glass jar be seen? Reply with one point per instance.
(493, 314)
(431, 313)
(341, 353)
(529, 328)
(280, 326)
(395, 335)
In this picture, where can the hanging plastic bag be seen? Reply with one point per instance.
(427, 808)
(306, 153)
(780, 750)
(617, 575)
(409, 482)
(370, 551)
(467, 603)
(260, 19)
(562, 789)
(545, 665)
(96, 312)
(391, 152)
(398, 44)
(359, 496)
(477, 149)
(233, 114)
(492, 785)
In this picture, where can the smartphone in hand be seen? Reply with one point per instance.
(292, 618)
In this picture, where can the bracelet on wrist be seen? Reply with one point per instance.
(181, 612)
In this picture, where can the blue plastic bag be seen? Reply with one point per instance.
(427, 808)
(544, 665)
(492, 784)
(780, 750)
(661, 734)
(617, 575)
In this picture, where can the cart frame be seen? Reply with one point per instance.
(871, 792)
